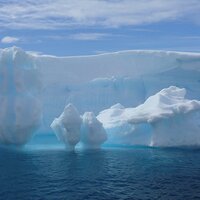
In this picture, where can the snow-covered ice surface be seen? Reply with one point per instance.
(91, 83)
(167, 116)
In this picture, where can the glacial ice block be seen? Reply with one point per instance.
(92, 132)
(120, 131)
(171, 119)
(67, 126)
(20, 106)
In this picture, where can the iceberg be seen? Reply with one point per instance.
(170, 118)
(93, 133)
(20, 105)
(67, 126)
(35, 88)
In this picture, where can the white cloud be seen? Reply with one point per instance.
(8, 40)
(81, 36)
(88, 36)
(101, 52)
(190, 37)
(51, 14)
(35, 53)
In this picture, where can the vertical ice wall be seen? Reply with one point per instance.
(20, 107)
(94, 83)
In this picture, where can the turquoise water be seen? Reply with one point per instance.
(49, 172)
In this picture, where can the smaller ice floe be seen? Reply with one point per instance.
(67, 126)
(171, 119)
(92, 132)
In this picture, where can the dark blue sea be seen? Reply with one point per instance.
(47, 171)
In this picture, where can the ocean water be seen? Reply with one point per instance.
(49, 172)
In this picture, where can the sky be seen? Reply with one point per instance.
(84, 27)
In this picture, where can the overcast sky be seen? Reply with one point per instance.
(80, 27)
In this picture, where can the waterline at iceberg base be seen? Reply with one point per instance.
(129, 98)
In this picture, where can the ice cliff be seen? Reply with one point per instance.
(94, 83)
(32, 86)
